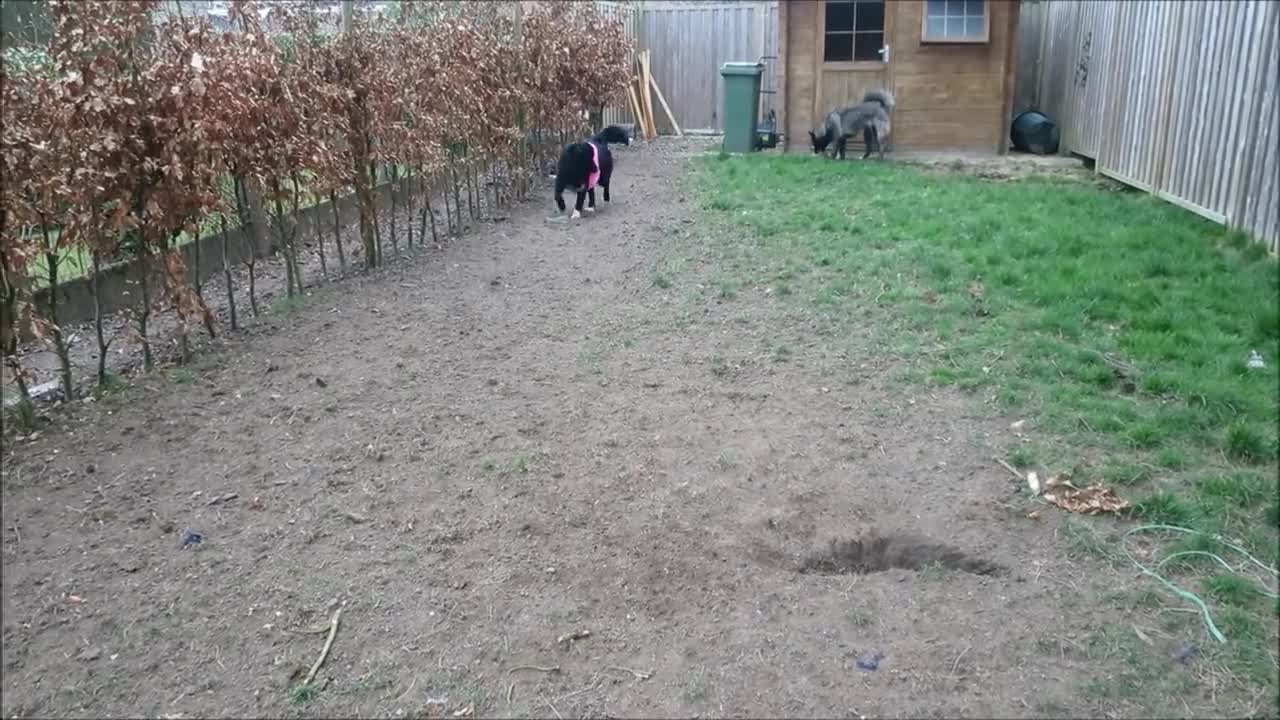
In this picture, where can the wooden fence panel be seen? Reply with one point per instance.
(688, 42)
(1214, 114)
(1087, 83)
(1185, 104)
(1256, 165)
(1134, 118)
(1057, 45)
(620, 113)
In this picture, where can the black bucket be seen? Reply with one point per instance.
(1034, 132)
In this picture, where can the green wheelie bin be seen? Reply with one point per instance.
(741, 99)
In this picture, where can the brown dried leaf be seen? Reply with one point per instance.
(1090, 500)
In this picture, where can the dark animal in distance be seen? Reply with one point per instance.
(585, 165)
(869, 117)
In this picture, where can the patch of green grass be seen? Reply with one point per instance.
(719, 367)
(22, 415)
(286, 304)
(1171, 458)
(1142, 675)
(1022, 457)
(1087, 539)
(1247, 444)
(593, 357)
(1230, 589)
(1073, 288)
(181, 376)
(727, 289)
(111, 384)
(860, 617)
(520, 464)
(725, 461)
(1125, 473)
(1165, 508)
(662, 281)
(303, 694)
(1120, 322)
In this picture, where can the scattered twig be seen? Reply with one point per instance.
(959, 657)
(324, 652)
(596, 682)
(553, 707)
(307, 631)
(575, 635)
(1012, 470)
(636, 673)
(511, 690)
(223, 498)
(539, 668)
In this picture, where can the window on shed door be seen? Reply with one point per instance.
(960, 21)
(854, 31)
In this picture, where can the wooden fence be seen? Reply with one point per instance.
(626, 12)
(1178, 99)
(689, 41)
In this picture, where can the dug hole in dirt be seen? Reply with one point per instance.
(531, 496)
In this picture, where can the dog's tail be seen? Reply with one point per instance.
(882, 96)
(612, 134)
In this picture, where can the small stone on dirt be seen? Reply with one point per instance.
(90, 654)
(321, 383)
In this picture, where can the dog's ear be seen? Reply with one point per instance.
(813, 137)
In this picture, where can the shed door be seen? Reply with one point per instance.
(852, 53)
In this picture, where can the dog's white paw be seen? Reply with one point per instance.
(576, 215)
(591, 209)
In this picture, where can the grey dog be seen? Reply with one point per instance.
(869, 117)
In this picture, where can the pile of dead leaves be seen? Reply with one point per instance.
(1092, 499)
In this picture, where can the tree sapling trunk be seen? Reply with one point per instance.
(144, 312)
(250, 257)
(103, 342)
(59, 340)
(315, 222)
(226, 272)
(337, 230)
(395, 190)
(408, 181)
(199, 284)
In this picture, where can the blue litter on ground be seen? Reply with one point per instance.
(191, 538)
(868, 663)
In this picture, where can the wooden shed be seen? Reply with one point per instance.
(949, 64)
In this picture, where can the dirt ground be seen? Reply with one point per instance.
(538, 485)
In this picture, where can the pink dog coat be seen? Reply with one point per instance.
(594, 176)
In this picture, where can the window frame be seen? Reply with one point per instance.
(926, 38)
(852, 64)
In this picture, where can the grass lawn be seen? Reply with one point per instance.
(1118, 325)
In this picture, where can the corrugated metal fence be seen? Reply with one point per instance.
(688, 42)
(1178, 99)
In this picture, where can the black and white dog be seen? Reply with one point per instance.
(584, 165)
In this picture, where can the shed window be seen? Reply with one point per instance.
(957, 21)
(854, 31)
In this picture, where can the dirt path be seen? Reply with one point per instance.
(506, 442)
